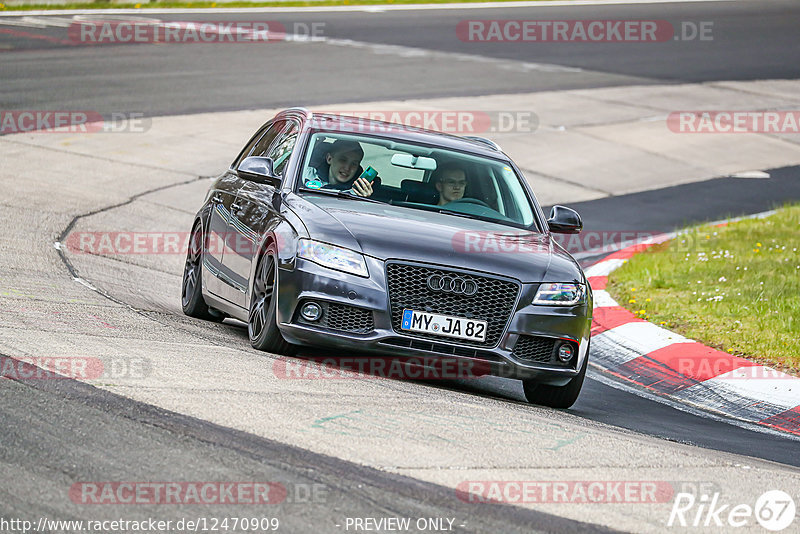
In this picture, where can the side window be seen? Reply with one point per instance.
(282, 148)
(249, 147)
(262, 147)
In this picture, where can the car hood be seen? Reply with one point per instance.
(390, 232)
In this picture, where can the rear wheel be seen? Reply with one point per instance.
(192, 288)
(262, 324)
(556, 396)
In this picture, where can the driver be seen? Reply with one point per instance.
(450, 181)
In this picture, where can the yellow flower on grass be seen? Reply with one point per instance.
(758, 244)
(632, 301)
(647, 300)
(633, 289)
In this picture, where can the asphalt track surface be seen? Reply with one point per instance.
(67, 424)
(751, 40)
(111, 435)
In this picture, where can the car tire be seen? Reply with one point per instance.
(556, 396)
(192, 300)
(262, 323)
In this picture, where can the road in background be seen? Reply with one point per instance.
(424, 58)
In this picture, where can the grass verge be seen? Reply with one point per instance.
(735, 288)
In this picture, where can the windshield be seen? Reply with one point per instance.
(416, 177)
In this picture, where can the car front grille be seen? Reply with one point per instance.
(535, 349)
(341, 317)
(493, 302)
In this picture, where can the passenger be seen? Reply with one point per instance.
(450, 181)
(338, 169)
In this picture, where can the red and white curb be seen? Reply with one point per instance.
(673, 366)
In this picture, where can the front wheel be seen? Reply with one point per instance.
(262, 324)
(192, 288)
(556, 396)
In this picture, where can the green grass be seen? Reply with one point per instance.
(735, 288)
(101, 4)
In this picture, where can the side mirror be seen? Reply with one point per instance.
(258, 169)
(564, 221)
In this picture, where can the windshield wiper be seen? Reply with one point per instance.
(466, 215)
(341, 194)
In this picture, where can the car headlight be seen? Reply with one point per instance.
(559, 294)
(333, 257)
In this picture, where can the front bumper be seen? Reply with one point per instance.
(304, 280)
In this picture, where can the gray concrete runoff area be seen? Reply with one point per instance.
(204, 404)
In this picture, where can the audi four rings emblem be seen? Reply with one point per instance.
(452, 284)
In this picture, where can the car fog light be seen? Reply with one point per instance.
(311, 311)
(565, 352)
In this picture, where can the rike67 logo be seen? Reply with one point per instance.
(774, 510)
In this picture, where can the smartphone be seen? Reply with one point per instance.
(370, 174)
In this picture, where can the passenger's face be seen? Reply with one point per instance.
(451, 186)
(343, 166)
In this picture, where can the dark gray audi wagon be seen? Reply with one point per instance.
(359, 235)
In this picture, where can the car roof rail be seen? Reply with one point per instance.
(483, 140)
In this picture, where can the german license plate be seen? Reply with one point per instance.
(444, 325)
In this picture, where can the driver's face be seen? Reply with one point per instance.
(343, 166)
(451, 186)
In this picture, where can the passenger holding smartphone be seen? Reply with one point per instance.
(338, 169)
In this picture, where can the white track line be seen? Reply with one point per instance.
(368, 8)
